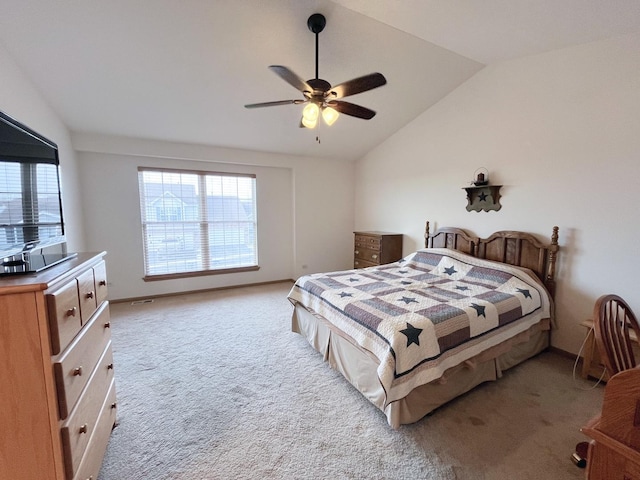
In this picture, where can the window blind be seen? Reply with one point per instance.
(197, 221)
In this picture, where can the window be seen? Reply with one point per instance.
(30, 210)
(196, 223)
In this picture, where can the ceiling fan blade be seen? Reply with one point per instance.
(275, 104)
(291, 78)
(357, 85)
(352, 109)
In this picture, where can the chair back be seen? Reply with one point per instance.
(613, 320)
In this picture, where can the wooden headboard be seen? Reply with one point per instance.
(507, 246)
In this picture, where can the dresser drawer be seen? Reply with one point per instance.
(367, 254)
(84, 420)
(94, 453)
(366, 241)
(364, 264)
(74, 367)
(64, 316)
(100, 280)
(92, 460)
(87, 295)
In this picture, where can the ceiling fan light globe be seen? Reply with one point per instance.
(311, 111)
(329, 115)
(309, 123)
(310, 115)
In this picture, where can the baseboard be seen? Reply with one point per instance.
(563, 353)
(175, 294)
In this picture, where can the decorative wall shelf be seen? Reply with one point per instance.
(484, 197)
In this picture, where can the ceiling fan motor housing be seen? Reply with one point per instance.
(320, 86)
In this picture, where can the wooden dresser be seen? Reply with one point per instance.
(376, 248)
(56, 382)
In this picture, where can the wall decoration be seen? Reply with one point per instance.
(480, 195)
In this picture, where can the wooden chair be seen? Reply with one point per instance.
(613, 319)
(614, 450)
(613, 322)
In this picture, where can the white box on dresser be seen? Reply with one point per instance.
(57, 388)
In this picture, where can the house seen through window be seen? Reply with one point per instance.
(197, 222)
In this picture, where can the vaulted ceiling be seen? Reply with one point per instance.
(182, 71)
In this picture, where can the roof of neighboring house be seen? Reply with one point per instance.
(11, 211)
(220, 208)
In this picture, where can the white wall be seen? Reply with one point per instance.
(305, 210)
(305, 203)
(21, 101)
(561, 132)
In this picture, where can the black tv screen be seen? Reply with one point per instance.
(30, 196)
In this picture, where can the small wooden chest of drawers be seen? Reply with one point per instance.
(57, 383)
(376, 248)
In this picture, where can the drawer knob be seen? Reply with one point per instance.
(77, 372)
(102, 283)
(374, 256)
(83, 429)
(107, 325)
(357, 252)
(72, 312)
(110, 366)
(357, 263)
(114, 405)
(90, 294)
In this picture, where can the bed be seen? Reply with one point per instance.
(415, 334)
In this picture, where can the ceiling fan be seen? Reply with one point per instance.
(319, 95)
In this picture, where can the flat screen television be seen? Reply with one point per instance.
(31, 219)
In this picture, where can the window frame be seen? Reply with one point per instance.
(203, 222)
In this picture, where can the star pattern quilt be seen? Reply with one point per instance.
(427, 312)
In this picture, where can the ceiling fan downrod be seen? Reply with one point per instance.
(316, 24)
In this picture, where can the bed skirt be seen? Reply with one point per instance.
(359, 366)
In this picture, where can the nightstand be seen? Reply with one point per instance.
(376, 248)
(591, 364)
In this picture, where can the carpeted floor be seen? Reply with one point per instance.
(216, 386)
